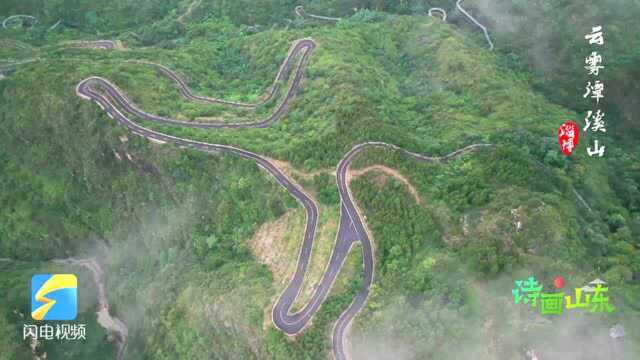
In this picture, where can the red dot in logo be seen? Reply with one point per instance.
(558, 282)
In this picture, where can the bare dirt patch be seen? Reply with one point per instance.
(390, 172)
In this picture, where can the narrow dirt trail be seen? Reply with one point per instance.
(112, 324)
(353, 174)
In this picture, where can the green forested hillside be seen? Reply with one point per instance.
(173, 226)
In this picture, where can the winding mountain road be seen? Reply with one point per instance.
(97, 44)
(6, 21)
(437, 10)
(352, 229)
(300, 12)
(112, 324)
(476, 22)
(190, 9)
(302, 49)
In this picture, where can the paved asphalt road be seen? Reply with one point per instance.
(301, 13)
(351, 230)
(300, 51)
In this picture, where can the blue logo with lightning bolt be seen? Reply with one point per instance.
(54, 297)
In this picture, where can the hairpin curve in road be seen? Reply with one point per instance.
(105, 319)
(351, 229)
(302, 46)
(476, 22)
(33, 19)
